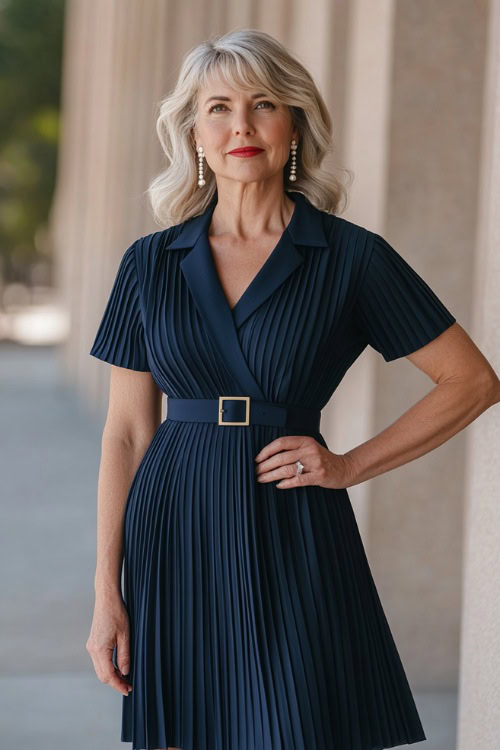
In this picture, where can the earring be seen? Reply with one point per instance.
(201, 154)
(293, 168)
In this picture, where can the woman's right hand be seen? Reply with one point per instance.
(110, 628)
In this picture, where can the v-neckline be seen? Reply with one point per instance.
(262, 270)
(305, 228)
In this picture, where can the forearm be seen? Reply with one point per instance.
(445, 410)
(119, 462)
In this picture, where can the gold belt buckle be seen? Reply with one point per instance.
(235, 398)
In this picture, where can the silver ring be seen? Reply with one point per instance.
(300, 467)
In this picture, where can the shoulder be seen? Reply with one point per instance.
(339, 228)
(154, 240)
(149, 247)
(354, 242)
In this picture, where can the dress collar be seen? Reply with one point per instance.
(305, 227)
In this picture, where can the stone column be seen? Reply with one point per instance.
(479, 691)
(430, 217)
(119, 61)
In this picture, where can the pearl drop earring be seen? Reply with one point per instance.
(293, 167)
(201, 154)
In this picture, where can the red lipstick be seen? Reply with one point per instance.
(246, 151)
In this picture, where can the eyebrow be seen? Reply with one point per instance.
(228, 99)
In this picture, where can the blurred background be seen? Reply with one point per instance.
(414, 90)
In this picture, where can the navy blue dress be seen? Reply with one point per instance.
(255, 621)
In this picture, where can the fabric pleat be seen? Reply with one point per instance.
(120, 336)
(396, 308)
(255, 622)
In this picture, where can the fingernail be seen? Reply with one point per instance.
(129, 688)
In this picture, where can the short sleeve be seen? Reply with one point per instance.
(120, 336)
(396, 309)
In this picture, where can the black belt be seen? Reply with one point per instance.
(242, 411)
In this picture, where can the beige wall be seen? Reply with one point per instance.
(415, 96)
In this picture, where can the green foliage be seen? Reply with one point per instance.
(31, 39)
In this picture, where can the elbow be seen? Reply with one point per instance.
(482, 387)
(496, 392)
(490, 387)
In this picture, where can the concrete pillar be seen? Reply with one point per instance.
(479, 692)
(434, 138)
(118, 64)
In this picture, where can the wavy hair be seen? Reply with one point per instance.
(247, 60)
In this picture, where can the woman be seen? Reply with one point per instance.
(249, 618)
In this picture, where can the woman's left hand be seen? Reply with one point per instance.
(276, 461)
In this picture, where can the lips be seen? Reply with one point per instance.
(247, 150)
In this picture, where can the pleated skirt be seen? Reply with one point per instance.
(255, 623)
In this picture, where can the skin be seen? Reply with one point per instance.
(251, 214)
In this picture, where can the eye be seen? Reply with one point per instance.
(214, 106)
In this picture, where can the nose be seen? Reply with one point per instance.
(242, 124)
(246, 129)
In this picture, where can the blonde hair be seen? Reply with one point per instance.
(248, 60)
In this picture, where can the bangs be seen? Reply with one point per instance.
(230, 70)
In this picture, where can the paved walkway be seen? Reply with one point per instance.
(50, 698)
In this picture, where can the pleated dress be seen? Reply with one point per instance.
(255, 623)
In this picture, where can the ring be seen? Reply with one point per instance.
(300, 467)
